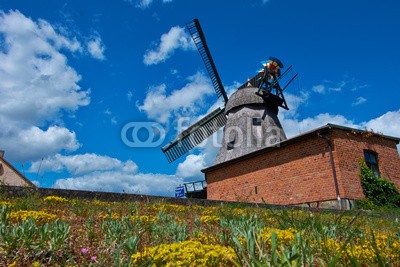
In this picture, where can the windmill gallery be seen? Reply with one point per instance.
(257, 163)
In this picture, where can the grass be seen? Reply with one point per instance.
(54, 231)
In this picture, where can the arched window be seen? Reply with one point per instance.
(371, 159)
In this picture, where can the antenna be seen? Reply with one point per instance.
(23, 171)
(40, 165)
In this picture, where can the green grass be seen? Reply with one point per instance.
(37, 231)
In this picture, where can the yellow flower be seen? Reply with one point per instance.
(145, 218)
(55, 199)
(5, 203)
(204, 238)
(40, 216)
(284, 236)
(113, 216)
(187, 253)
(209, 219)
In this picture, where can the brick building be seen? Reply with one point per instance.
(316, 168)
(11, 176)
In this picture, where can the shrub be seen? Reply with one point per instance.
(379, 191)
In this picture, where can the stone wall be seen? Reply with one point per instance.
(17, 191)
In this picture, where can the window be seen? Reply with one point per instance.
(371, 159)
(257, 121)
(231, 145)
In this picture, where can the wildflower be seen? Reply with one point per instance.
(5, 203)
(85, 250)
(144, 218)
(94, 258)
(209, 219)
(285, 236)
(23, 215)
(55, 199)
(187, 253)
(112, 216)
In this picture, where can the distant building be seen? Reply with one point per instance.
(315, 168)
(11, 176)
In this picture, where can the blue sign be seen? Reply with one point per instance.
(180, 191)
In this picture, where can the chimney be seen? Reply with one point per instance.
(2, 153)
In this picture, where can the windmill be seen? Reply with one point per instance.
(249, 115)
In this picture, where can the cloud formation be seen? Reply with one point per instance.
(143, 4)
(96, 48)
(388, 123)
(82, 164)
(190, 168)
(37, 86)
(175, 38)
(32, 143)
(102, 173)
(330, 87)
(360, 100)
(161, 106)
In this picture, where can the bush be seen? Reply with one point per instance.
(379, 191)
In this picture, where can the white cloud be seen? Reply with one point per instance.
(25, 144)
(175, 39)
(102, 173)
(360, 100)
(82, 164)
(16, 27)
(295, 127)
(388, 124)
(129, 95)
(192, 166)
(144, 4)
(96, 48)
(328, 86)
(320, 88)
(338, 87)
(160, 106)
(107, 111)
(120, 182)
(38, 86)
(114, 121)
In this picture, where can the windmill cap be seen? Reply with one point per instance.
(242, 97)
(277, 61)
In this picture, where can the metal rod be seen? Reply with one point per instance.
(333, 168)
(291, 80)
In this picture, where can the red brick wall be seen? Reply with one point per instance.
(350, 149)
(301, 172)
(293, 174)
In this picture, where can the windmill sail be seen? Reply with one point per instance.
(200, 41)
(195, 134)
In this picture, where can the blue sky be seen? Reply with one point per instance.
(74, 73)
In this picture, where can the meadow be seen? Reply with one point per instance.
(56, 231)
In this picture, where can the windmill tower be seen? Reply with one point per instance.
(250, 115)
